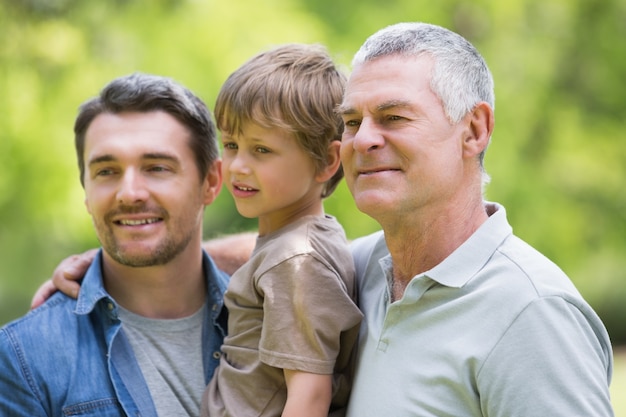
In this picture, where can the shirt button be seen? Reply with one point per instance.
(110, 306)
(217, 355)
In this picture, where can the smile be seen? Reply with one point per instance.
(138, 222)
(376, 171)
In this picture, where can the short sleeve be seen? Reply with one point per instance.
(554, 360)
(307, 314)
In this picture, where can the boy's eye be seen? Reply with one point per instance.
(229, 145)
(261, 149)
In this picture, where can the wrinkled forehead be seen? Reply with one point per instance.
(387, 79)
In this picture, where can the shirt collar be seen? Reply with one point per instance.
(92, 287)
(469, 258)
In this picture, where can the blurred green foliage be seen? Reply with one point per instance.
(557, 159)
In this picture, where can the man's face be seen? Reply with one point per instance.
(399, 151)
(142, 187)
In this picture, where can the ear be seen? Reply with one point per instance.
(332, 162)
(213, 182)
(87, 205)
(479, 129)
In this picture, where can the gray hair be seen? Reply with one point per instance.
(460, 78)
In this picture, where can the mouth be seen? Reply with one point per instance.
(138, 222)
(373, 171)
(243, 188)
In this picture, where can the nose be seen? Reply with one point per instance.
(238, 164)
(132, 188)
(368, 137)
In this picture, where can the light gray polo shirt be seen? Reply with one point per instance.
(496, 329)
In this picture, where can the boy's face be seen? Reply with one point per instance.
(270, 176)
(139, 167)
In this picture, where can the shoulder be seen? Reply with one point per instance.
(367, 249)
(519, 262)
(533, 268)
(314, 244)
(48, 335)
(536, 292)
(310, 235)
(51, 320)
(364, 246)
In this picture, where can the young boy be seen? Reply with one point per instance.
(293, 319)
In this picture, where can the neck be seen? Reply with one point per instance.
(281, 218)
(174, 290)
(423, 239)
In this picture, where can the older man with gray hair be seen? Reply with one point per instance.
(462, 318)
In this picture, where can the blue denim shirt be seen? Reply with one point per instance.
(69, 357)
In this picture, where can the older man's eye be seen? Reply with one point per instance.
(352, 123)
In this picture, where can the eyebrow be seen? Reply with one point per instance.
(387, 105)
(342, 109)
(392, 104)
(146, 156)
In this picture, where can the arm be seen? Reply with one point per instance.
(307, 394)
(554, 360)
(232, 251)
(17, 397)
(228, 252)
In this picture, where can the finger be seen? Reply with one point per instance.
(44, 292)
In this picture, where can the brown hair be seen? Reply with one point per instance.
(294, 87)
(144, 93)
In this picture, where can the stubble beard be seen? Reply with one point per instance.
(165, 251)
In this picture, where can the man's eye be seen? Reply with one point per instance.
(104, 172)
(352, 123)
(158, 168)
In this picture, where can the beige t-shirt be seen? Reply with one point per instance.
(291, 306)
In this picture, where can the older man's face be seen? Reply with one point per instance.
(399, 151)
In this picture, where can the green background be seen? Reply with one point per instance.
(557, 157)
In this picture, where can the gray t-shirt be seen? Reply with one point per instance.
(169, 354)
